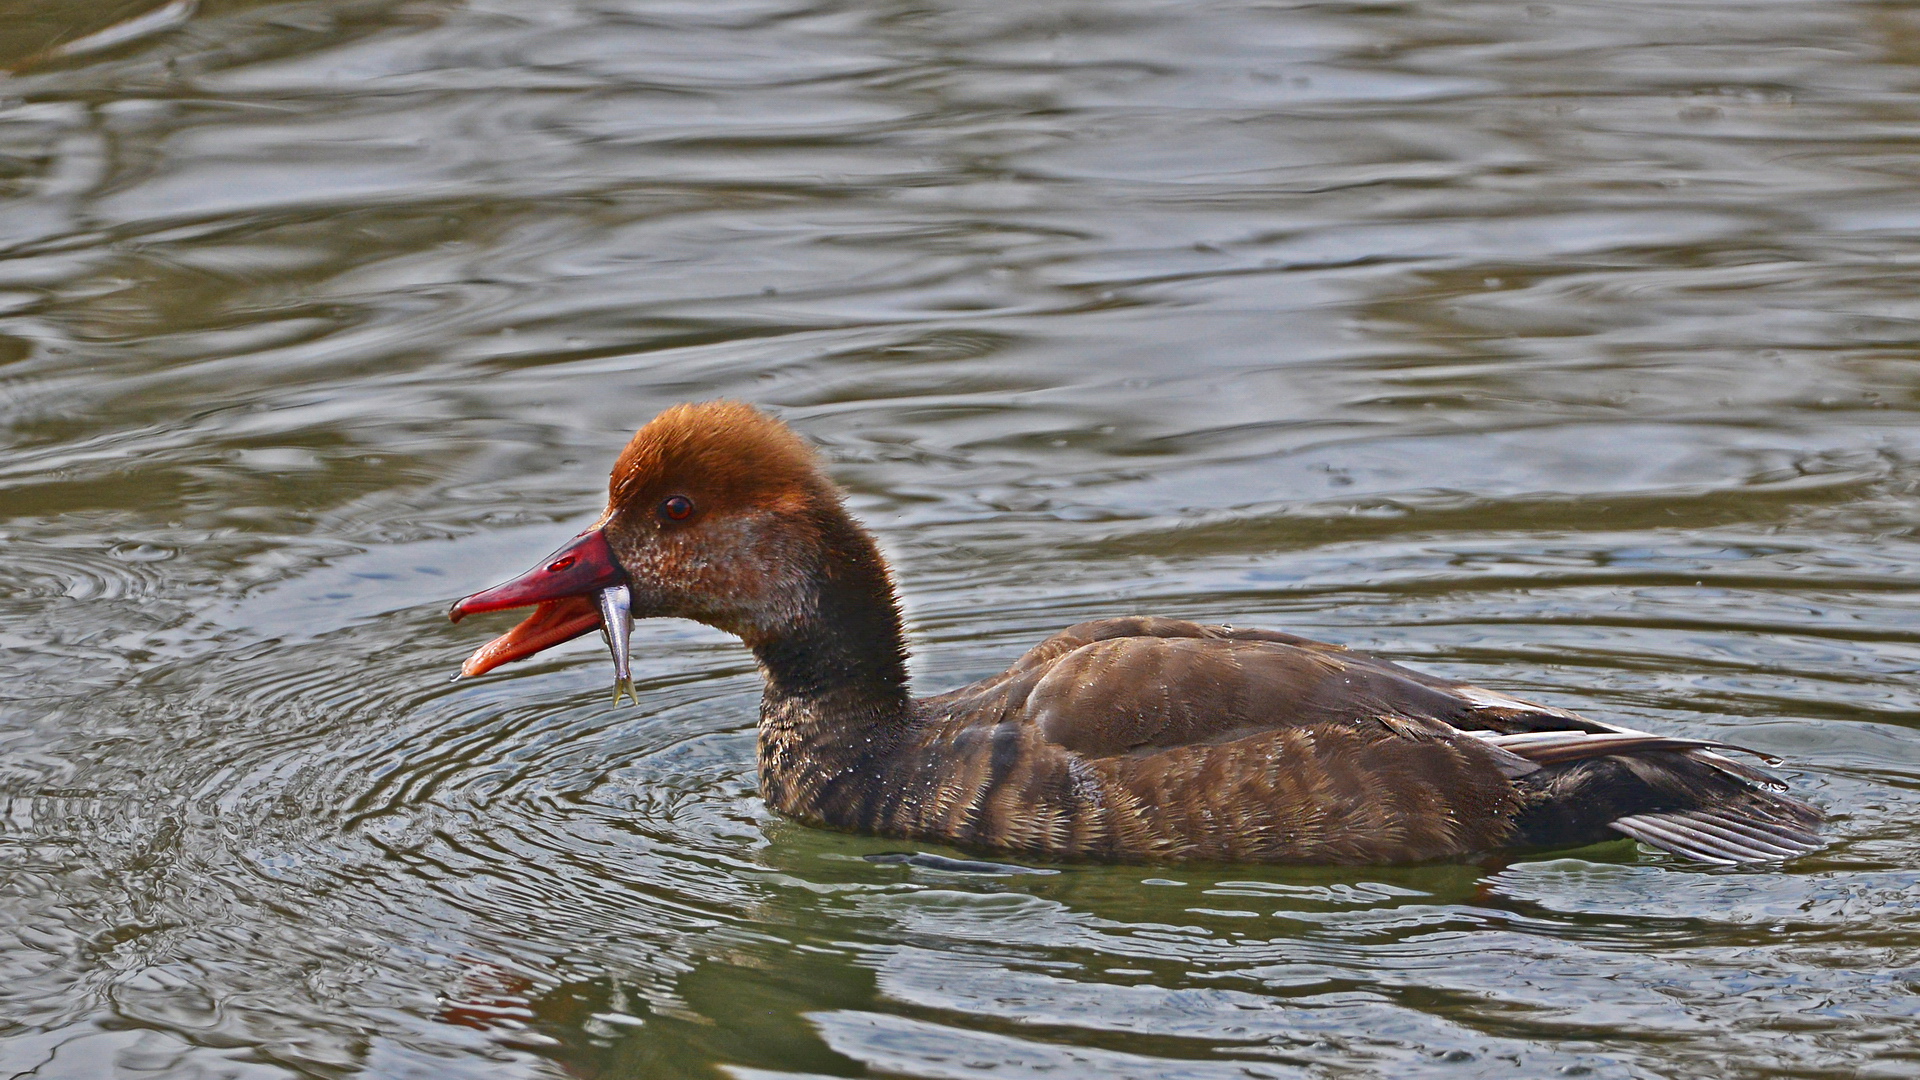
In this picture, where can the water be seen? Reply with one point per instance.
(1567, 347)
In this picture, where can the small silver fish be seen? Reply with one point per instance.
(616, 626)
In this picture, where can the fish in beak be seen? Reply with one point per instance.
(573, 591)
(616, 627)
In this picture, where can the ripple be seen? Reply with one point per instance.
(42, 572)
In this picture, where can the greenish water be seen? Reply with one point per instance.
(1568, 347)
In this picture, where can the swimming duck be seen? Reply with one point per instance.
(1132, 738)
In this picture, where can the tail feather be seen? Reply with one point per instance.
(1682, 801)
(1716, 837)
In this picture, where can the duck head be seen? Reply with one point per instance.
(715, 512)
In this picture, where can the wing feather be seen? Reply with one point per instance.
(1143, 689)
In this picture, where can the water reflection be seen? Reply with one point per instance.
(1563, 347)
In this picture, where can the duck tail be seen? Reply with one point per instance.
(1684, 801)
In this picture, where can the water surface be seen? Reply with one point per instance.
(1567, 347)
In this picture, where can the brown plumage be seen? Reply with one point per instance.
(1128, 738)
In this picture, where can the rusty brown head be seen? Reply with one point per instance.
(712, 514)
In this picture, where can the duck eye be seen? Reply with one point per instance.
(676, 508)
(558, 565)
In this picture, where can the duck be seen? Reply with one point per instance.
(1135, 738)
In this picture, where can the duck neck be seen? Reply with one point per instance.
(842, 660)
